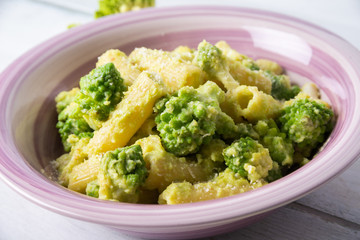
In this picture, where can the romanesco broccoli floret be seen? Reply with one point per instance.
(191, 117)
(246, 130)
(108, 7)
(121, 173)
(100, 91)
(210, 155)
(210, 59)
(250, 64)
(83, 110)
(212, 151)
(248, 158)
(92, 189)
(306, 122)
(71, 121)
(280, 86)
(275, 173)
(280, 147)
(63, 99)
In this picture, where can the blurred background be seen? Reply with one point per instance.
(331, 212)
(26, 23)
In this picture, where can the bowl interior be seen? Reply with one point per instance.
(29, 140)
(302, 61)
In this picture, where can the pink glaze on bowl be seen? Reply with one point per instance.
(28, 138)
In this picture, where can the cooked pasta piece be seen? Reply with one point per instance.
(84, 173)
(185, 53)
(165, 168)
(148, 128)
(250, 103)
(129, 114)
(268, 65)
(59, 164)
(230, 52)
(226, 184)
(311, 89)
(68, 161)
(243, 69)
(174, 72)
(128, 71)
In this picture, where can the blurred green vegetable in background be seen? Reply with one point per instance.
(109, 7)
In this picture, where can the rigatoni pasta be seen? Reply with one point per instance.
(242, 68)
(128, 71)
(174, 72)
(165, 168)
(129, 115)
(250, 103)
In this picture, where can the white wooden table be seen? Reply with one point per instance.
(330, 212)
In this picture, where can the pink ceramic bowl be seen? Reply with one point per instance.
(28, 138)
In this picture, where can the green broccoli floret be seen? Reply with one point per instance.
(280, 86)
(246, 130)
(71, 121)
(306, 122)
(108, 7)
(275, 173)
(280, 147)
(121, 173)
(191, 117)
(210, 59)
(100, 91)
(83, 110)
(92, 189)
(64, 98)
(210, 155)
(212, 151)
(248, 158)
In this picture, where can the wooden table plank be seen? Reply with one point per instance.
(340, 197)
(299, 222)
